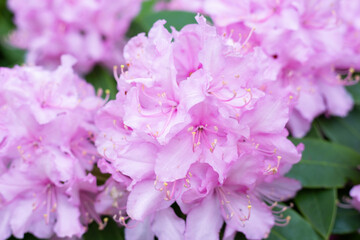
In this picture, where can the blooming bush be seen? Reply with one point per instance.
(46, 135)
(192, 124)
(92, 31)
(305, 37)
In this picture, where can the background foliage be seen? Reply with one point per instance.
(328, 170)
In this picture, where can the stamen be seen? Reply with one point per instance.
(227, 207)
(223, 99)
(282, 222)
(273, 170)
(248, 37)
(213, 145)
(122, 220)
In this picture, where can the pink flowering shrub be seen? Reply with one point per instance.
(311, 40)
(195, 122)
(92, 31)
(46, 150)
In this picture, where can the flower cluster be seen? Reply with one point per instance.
(92, 31)
(194, 123)
(46, 150)
(355, 194)
(313, 41)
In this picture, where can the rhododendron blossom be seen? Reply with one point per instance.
(90, 30)
(46, 148)
(355, 194)
(195, 122)
(310, 39)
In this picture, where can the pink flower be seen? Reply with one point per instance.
(47, 146)
(194, 120)
(306, 38)
(355, 194)
(350, 28)
(92, 31)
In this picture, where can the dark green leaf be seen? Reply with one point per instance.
(319, 207)
(355, 92)
(345, 131)
(325, 165)
(112, 231)
(10, 56)
(100, 77)
(136, 26)
(240, 236)
(6, 24)
(27, 236)
(347, 221)
(147, 8)
(297, 228)
(177, 19)
(315, 131)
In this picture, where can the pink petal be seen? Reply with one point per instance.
(68, 218)
(175, 159)
(140, 230)
(338, 101)
(144, 199)
(166, 225)
(261, 219)
(298, 125)
(204, 221)
(192, 90)
(280, 189)
(269, 116)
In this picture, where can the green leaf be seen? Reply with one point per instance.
(355, 92)
(10, 56)
(347, 221)
(27, 236)
(6, 24)
(325, 165)
(345, 131)
(112, 231)
(147, 7)
(101, 78)
(297, 228)
(319, 207)
(315, 131)
(136, 25)
(177, 19)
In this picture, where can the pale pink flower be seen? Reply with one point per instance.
(194, 119)
(92, 31)
(355, 194)
(47, 139)
(308, 39)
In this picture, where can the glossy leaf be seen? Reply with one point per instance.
(136, 27)
(325, 165)
(6, 24)
(319, 207)
(112, 231)
(297, 228)
(355, 92)
(10, 56)
(347, 221)
(27, 236)
(177, 19)
(100, 77)
(315, 131)
(345, 131)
